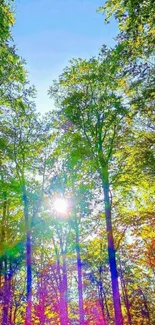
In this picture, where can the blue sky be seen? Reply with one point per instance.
(48, 33)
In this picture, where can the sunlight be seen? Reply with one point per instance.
(60, 205)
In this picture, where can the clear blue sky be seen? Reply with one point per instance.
(48, 33)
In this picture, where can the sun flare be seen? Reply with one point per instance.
(60, 205)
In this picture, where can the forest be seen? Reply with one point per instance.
(77, 185)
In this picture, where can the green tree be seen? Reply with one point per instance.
(87, 95)
(20, 128)
(136, 23)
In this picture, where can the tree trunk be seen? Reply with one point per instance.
(29, 278)
(5, 285)
(62, 309)
(101, 297)
(65, 289)
(79, 271)
(112, 256)
(5, 295)
(125, 294)
(42, 299)
(10, 292)
(28, 261)
(42, 293)
(146, 312)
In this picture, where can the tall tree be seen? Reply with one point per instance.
(91, 103)
(21, 132)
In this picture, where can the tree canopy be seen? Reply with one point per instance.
(77, 183)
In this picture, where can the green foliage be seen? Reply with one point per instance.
(136, 23)
(6, 20)
(100, 133)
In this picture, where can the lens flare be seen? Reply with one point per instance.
(60, 205)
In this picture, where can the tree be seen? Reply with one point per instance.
(21, 133)
(12, 71)
(91, 103)
(136, 23)
(96, 147)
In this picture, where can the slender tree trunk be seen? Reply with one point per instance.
(42, 294)
(5, 285)
(28, 262)
(62, 307)
(79, 271)
(29, 278)
(112, 255)
(5, 295)
(147, 313)
(65, 289)
(125, 294)
(10, 292)
(42, 301)
(106, 307)
(101, 297)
